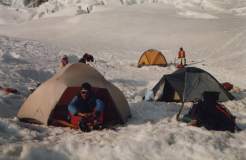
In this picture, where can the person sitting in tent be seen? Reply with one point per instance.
(210, 114)
(64, 61)
(181, 56)
(86, 110)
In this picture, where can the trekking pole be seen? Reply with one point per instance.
(180, 110)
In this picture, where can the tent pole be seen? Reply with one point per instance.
(180, 110)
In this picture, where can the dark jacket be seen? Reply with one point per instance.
(79, 105)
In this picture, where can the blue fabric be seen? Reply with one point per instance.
(72, 107)
(99, 106)
(79, 105)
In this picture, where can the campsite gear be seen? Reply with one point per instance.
(85, 123)
(152, 57)
(8, 90)
(180, 66)
(212, 115)
(149, 95)
(82, 60)
(187, 85)
(49, 101)
(228, 86)
(86, 58)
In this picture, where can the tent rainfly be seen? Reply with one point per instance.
(49, 101)
(152, 57)
(187, 85)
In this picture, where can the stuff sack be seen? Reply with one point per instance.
(219, 118)
(226, 121)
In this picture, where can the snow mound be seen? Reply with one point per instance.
(198, 15)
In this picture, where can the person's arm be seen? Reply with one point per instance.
(72, 107)
(99, 111)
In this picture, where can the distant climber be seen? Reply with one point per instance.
(181, 56)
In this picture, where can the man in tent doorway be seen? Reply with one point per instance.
(181, 56)
(86, 110)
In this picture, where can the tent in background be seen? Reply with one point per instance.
(49, 101)
(188, 84)
(152, 57)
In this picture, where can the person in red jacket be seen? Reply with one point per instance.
(181, 56)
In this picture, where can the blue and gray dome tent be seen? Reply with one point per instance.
(187, 85)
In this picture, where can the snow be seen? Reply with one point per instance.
(116, 33)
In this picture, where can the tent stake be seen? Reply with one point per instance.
(180, 110)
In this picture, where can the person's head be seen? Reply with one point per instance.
(181, 48)
(85, 91)
(64, 60)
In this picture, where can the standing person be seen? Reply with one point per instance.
(86, 110)
(64, 61)
(181, 56)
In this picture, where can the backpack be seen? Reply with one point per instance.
(217, 117)
(228, 121)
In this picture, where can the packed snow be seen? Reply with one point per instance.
(116, 33)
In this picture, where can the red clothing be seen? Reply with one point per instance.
(181, 54)
(75, 120)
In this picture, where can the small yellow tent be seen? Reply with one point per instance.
(152, 57)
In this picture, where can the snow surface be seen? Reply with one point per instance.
(117, 32)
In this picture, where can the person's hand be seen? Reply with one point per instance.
(193, 122)
(95, 122)
(84, 114)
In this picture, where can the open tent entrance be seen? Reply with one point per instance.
(170, 94)
(50, 100)
(60, 112)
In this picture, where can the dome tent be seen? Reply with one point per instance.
(152, 57)
(49, 101)
(188, 84)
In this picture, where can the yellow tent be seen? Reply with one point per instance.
(152, 57)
